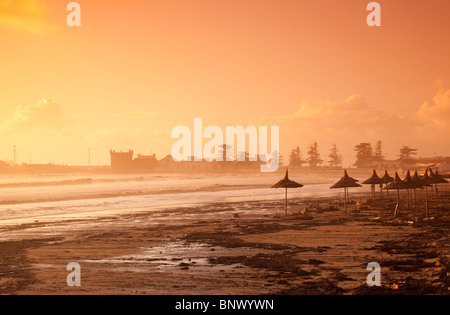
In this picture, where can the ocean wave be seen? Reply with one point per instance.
(79, 181)
(76, 181)
(125, 193)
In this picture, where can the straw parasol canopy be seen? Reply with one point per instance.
(286, 183)
(396, 184)
(411, 184)
(437, 179)
(373, 180)
(346, 182)
(426, 180)
(429, 181)
(423, 182)
(386, 180)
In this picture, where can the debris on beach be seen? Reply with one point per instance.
(303, 214)
(330, 208)
(398, 222)
(360, 206)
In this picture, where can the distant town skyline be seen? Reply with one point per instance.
(284, 162)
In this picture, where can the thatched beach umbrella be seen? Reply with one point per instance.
(424, 182)
(441, 178)
(349, 179)
(386, 179)
(427, 179)
(396, 184)
(409, 184)
(373, 180)
(413, 184)
(437, 179)
(286, 183)
(346, 182)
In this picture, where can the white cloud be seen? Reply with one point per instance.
(45, 115)
(353, 120)
(437, 112)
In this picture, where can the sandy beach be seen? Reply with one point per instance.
(236, 248)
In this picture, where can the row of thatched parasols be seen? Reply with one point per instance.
(391, 183)
(416, 182)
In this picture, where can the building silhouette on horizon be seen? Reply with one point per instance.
(123, 161)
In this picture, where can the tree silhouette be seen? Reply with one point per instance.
(364, 155)
(225, 151)
(378, 152)
(407, 154)
(295, 158)
(335, 157)
(243, 156)
(314, 159)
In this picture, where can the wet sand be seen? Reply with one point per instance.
(235, 248)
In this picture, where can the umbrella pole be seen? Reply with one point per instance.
(345, 200)
(285, 202)
(414, 194)
(373, 193)
(407, 199)
(397, 208)
(426, 201)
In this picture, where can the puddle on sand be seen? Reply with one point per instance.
(177, 255)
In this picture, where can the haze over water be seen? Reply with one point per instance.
(25, 199)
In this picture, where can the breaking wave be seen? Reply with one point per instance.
(125, 193)
(77, 181)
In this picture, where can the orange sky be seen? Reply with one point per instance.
(136, 69)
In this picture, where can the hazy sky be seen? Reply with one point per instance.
(136, 69)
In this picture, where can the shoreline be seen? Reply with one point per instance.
(242, 246)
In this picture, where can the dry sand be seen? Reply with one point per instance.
(235, 248)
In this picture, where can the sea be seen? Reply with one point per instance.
(26, 199)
